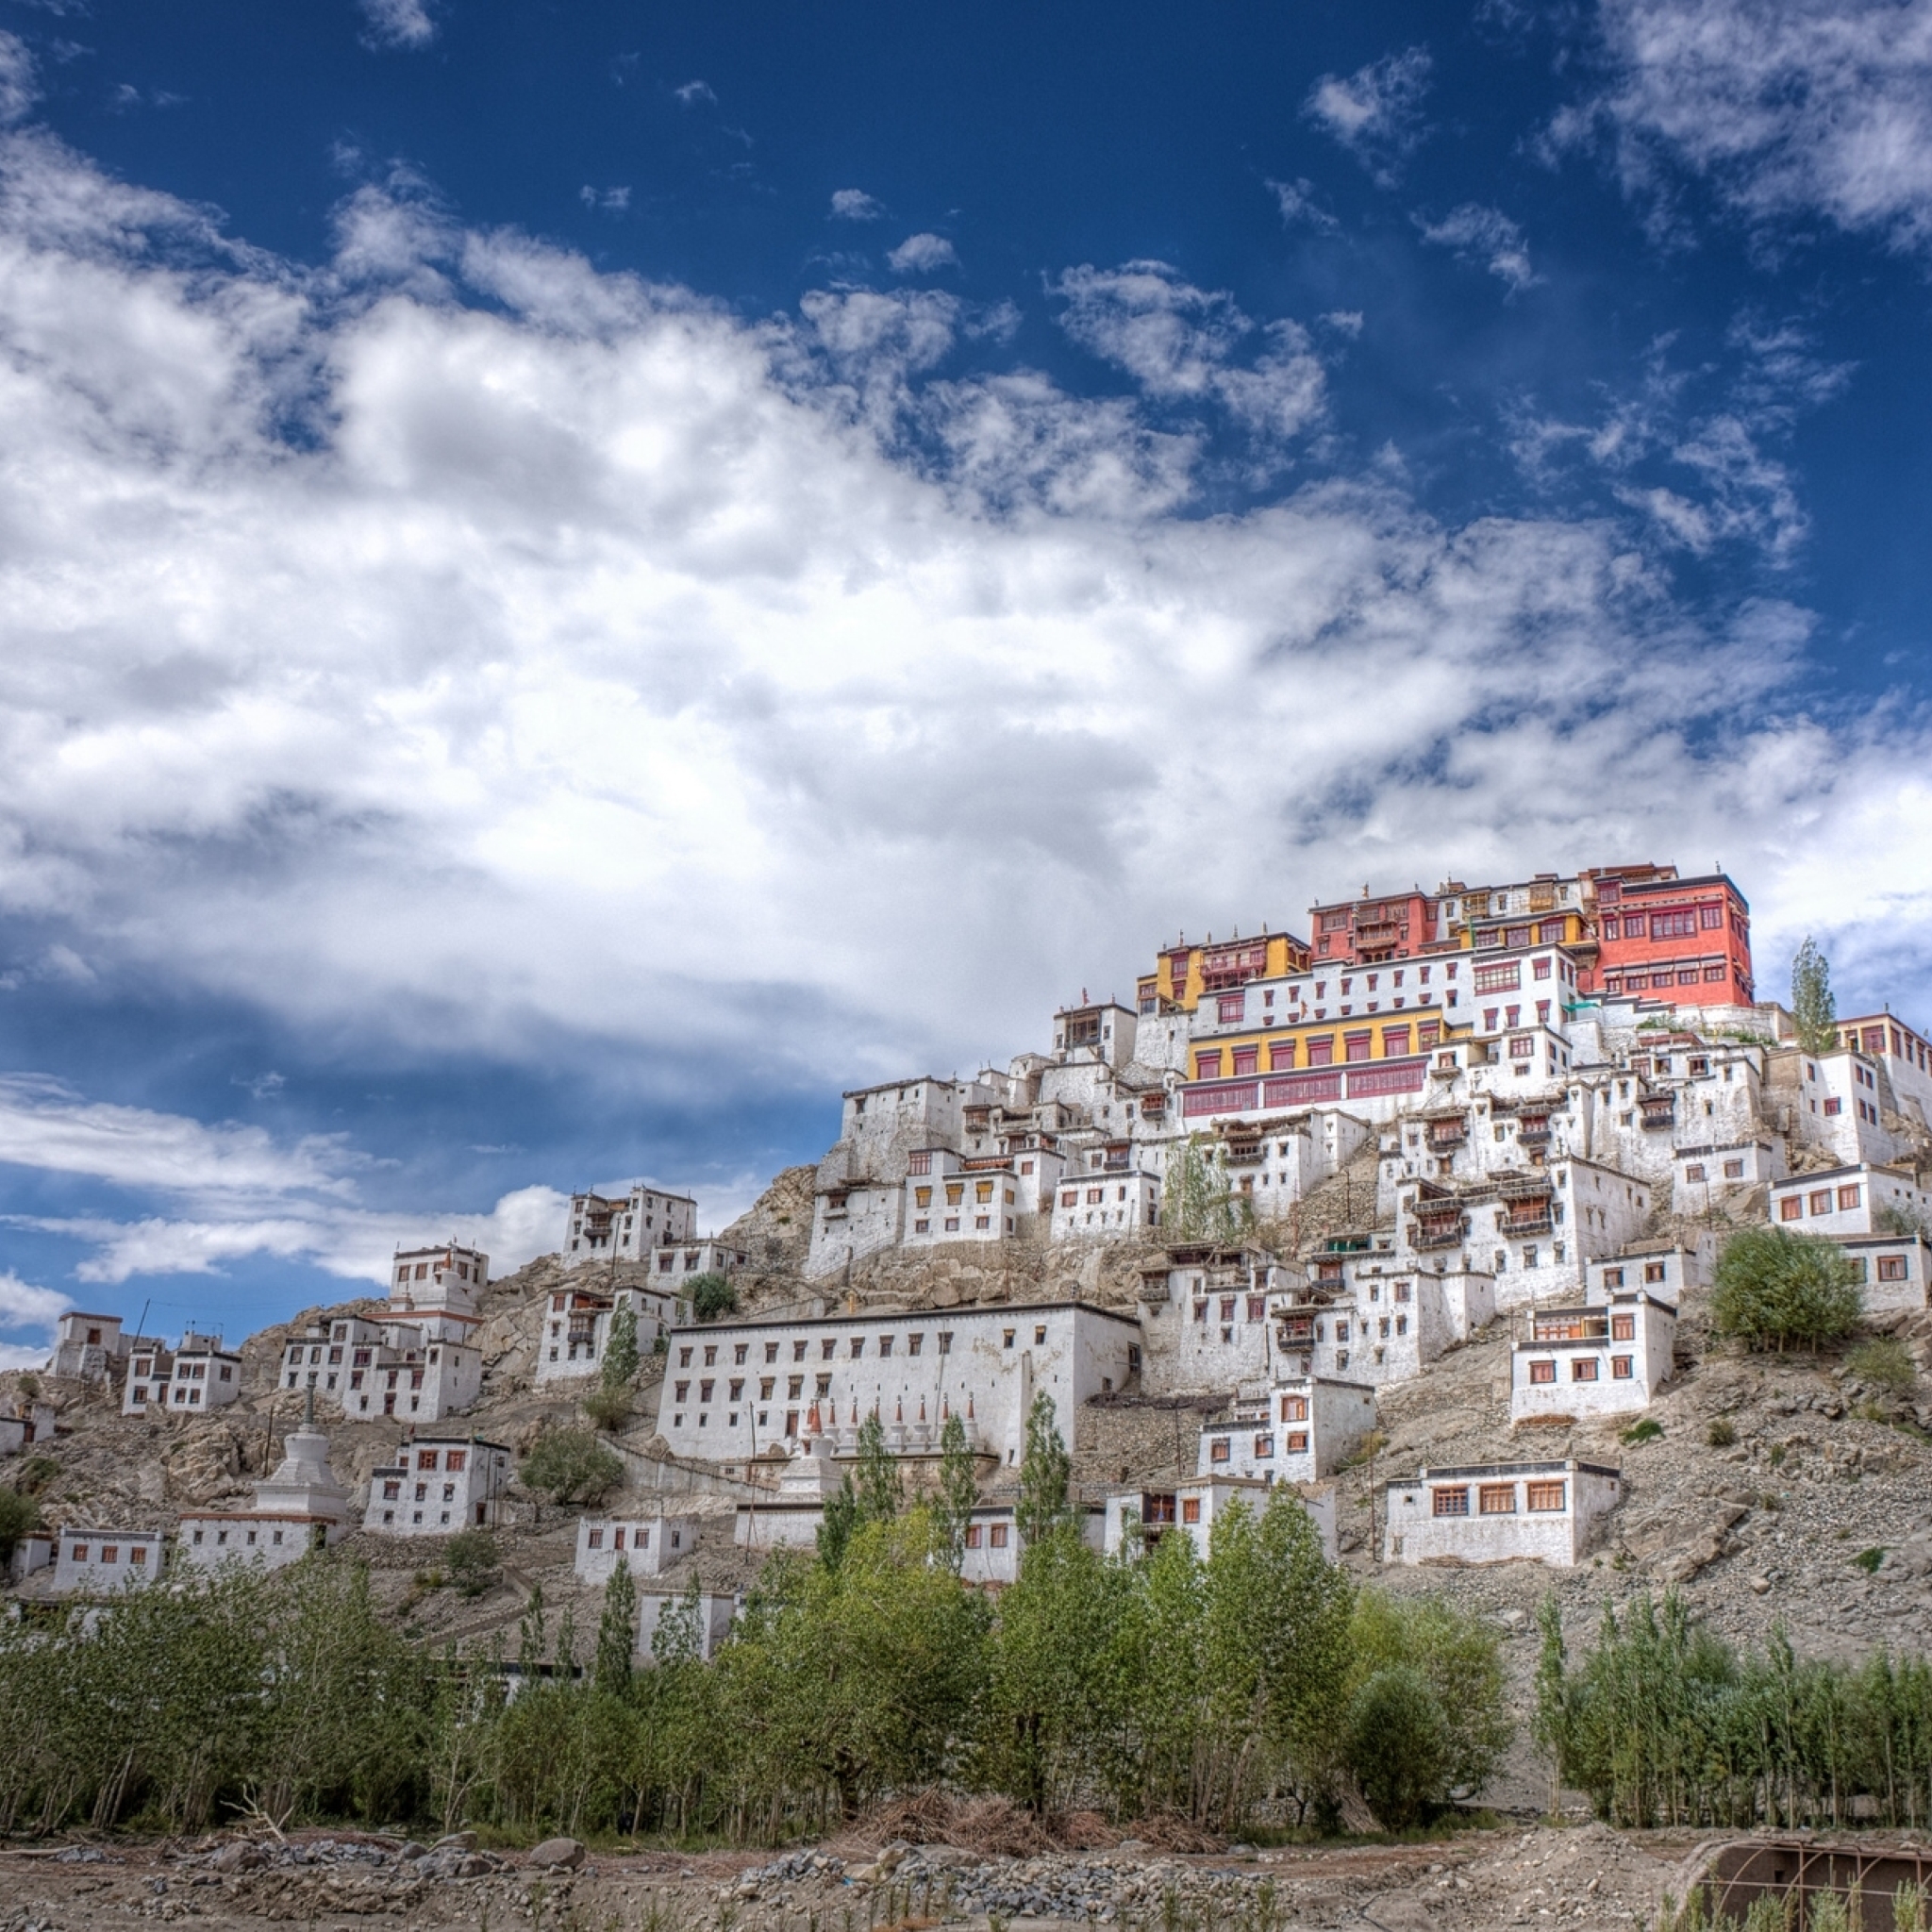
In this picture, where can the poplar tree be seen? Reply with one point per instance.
(621, 1348)
(1045, 1470)
(958, 1491)
(881, 1494)
(616, 1630)
(1813, 1007)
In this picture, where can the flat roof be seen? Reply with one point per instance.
(1825, 1174)
(1707, 878)
(1471, 1470)
(1000, 1311)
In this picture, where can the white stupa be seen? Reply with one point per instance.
(303, 1483)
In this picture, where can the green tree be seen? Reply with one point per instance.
(19, 1517)
(711, 1295)
(1774, 1289)
(1398, 1746)
(1055, 1690)
(571, 1466)
(1459, 1658)
(617, 1631)
(531, 1637)
(470, 1557)
(1045, 1470)
(841, 1517)
(620, 1347)
(1550, 1724)
(880, 1491)
(1813, 1007)
(1198, 1201)
(959, 1493)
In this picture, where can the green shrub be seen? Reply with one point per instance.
(1721, 1434)
(711, 1295)
(1886, 1363)
(1869, 1561)
(1779, 1290)
(1648, 1430)
(18, 1517)
(471, 1559)
(607, 1407)
(571, 1466)
(1398, 1746)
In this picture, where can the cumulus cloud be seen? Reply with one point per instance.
(23, 1305)
(465, 644)
(352, 1244)
(398, 23)
(923, 253)
(855, 205)
(1486, 235)
(1376, 112)
(1789, 107)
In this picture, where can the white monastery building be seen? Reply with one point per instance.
(1500, 1512)
(438, 1485)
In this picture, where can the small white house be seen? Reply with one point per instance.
(202, 1375)
(1663, 1273)
(32, 1552)
(1704, 1175)
(422, 1366)
(716, 1608)
(1500, 1512)
(1849, 1200)
(1598, 1359)
(1193, 1506)
(1893, 1270)
(100, 1561)
(627, 1227)
(208, 1538)
(1308, 1427)
(575, 1327)
(88, 1347)
(644, 1544)
(992, 1557)
(438, 1485)
(1107, 1204)
(445, 1280)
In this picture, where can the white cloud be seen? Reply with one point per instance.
(1298, 205)
(695, 93)
(47, 1125)
(1789, 108)
(1486, 235)
(1178, 342)
(1746, 493)
(356, 1245)
(19, 91)
(612, 200)
(923, 253)
(398, 23)
(597, 679)
(1376, 112)
(855, 205)
(23, 1305)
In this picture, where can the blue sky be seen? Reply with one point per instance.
(575, 579)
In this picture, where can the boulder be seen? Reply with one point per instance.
(557, 1855)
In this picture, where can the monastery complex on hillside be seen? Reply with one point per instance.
(1555, 1083)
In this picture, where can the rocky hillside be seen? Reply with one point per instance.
(1780, 1488)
